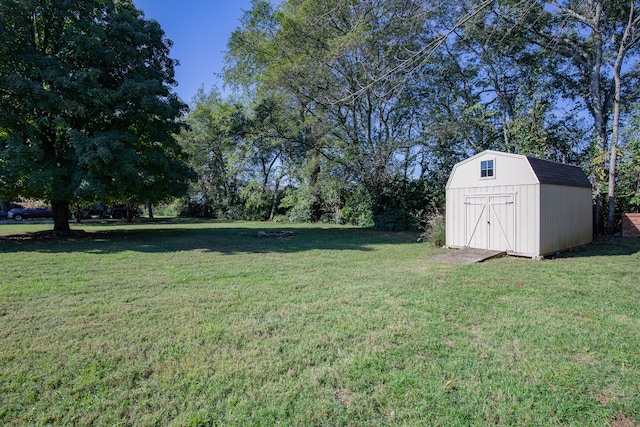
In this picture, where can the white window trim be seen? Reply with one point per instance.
(494, 169)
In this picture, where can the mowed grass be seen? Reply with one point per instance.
(207, 324)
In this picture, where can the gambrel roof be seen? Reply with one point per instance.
(515, 169)
(554, 173)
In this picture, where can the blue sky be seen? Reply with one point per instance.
(199, 30)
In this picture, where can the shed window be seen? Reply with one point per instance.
(486, 169)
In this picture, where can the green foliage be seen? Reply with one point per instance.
(241, 151)
(257, 201)
(86, 109)
(528, 132)
(170, 209)
(628, 170)
(378, 116)
(357, 209)
(434, 229)
(395, 219)
(398, 205)
(628, 191)
(214, 125)
(330, 62)
(297, 203)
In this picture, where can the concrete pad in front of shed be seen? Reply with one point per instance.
(468, 256)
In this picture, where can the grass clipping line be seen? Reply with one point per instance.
(275, 233)
(49, 235)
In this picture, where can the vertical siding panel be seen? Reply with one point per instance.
(527, 220)
(459, 217)
(449, 220)
(567, 221)
(460, 193)
(523, 219)
(455, 210)
(583, 214)
(537, 221)
(546, 234)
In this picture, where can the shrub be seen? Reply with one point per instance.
(434, 229)
(397, 219)
(357, 210)
(171, 209)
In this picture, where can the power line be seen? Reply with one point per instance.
(419, 58)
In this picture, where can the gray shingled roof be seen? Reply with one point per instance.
(553, 173)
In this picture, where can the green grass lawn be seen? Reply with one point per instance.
(197, 323)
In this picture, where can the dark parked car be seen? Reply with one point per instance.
(3, 215)
(23, 213)
(119, 211)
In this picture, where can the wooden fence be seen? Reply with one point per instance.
(631, 225)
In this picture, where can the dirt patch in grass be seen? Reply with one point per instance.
(344, 396)
(623, 421)
(609, 394)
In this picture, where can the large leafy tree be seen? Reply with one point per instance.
(594, 43)
(242, 151)
(215, 129)
(628, 170)
(86, 106)
(392, 90)
(542, 69)
(341, 65)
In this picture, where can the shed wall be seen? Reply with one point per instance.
(566, 219)
(526, 216)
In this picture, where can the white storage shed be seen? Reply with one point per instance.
(518, 204)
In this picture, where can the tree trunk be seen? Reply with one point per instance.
(60, 211)
(274, 200)
(316, 205)
(625, 43)
(77, 213)
(612, 187)
(130, 212)
(597, 105)
(591, 14)
(597, 210)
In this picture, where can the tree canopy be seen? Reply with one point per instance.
(389, 93)
(350, 111)
(86, 105)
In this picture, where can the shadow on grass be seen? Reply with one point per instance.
(226, 240)
(606, 246)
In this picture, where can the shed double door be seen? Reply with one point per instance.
(490, 221)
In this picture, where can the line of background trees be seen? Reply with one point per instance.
(343, 110)
(355, 111)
